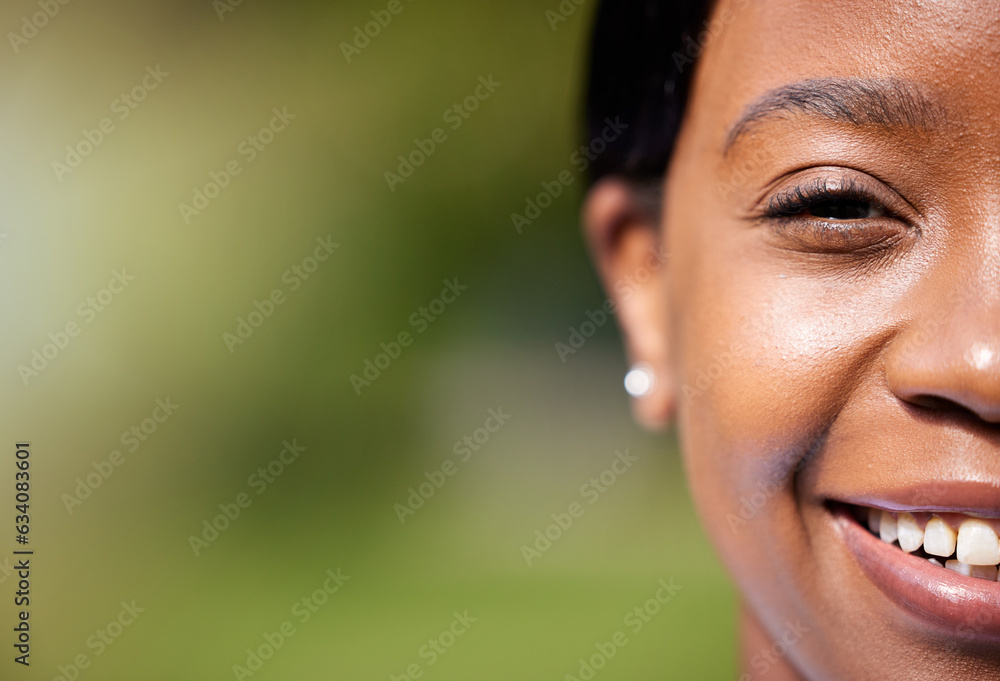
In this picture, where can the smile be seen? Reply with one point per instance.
(969, 546)
(940, 567)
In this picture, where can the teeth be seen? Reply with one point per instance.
(980, 571)
(976, 546)
(887, 528)
(977, 543)
(959, 567)
(939, 538)
(985, 572)
(911, 537)
(874, 517)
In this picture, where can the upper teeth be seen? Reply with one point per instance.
(976, 543)
(910, 535)
(887, 528)
(939, 538)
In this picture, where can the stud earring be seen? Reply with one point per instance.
(640, 380)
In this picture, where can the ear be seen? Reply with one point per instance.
(621, 222)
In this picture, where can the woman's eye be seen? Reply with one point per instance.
(844, 209)
(836, 215)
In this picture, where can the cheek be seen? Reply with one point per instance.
(765, 360)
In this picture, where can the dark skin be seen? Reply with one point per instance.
(831, 217)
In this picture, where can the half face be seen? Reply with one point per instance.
(832, 218)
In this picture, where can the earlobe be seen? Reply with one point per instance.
(621, 222)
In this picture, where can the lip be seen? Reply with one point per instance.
(978, 499)
(955, 605)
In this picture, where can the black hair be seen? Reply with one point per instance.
(642, 55)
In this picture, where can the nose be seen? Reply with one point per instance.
(948, 355)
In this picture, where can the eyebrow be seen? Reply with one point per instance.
(886, 103)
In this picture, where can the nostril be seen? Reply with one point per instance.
(937, 403)
(944, 406)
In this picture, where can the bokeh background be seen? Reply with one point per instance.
(64, 234)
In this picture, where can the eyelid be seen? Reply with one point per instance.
(860, 239)
(799, 197)
(832, 183)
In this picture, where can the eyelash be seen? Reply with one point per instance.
(863, 236)
(792, 202)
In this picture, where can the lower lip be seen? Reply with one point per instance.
(963, 607)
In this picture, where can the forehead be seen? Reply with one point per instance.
(948, 50)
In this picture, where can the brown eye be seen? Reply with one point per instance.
(844, 209)
(835, 214)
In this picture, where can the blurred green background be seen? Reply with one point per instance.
(64, 234)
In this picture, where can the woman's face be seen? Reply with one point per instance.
(832, 324)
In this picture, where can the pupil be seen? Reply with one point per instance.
(841, 210)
